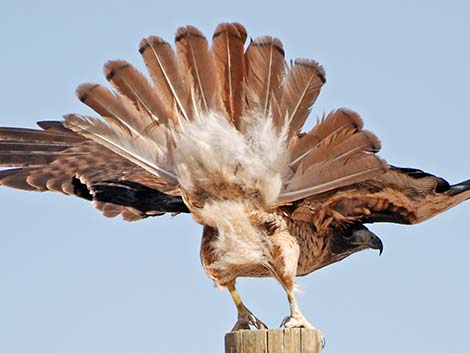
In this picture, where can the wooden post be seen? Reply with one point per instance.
(297, 340)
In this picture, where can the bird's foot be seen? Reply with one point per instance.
(248, 320)
(298, 321)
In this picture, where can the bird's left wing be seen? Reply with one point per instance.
(57, 159)
(402, 195)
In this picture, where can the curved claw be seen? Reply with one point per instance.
(241, 325)
(323, 341)
(296, 322)
(301, 322)
(245, 322)
(254, 321)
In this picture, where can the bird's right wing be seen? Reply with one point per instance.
(57, 159)
(402, 195)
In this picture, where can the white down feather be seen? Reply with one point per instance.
(210, 145)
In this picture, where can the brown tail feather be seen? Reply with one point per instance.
(346, 143)
(333, 174)
(326, 129)
(228, 52)
(264, 74)
(107, 104)
(196, 62)
(132, 84)
(300, 90)
(336, 153)
(163, 67)
(335, 121)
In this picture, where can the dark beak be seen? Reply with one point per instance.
(365, 237)
(376, 243)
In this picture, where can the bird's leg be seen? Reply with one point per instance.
(245, 316)
(296, 318)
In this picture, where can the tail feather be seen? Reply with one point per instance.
(196, 62)
(113, 108)
(228, 51)
(336, 153)
(133, 85)
(264, 74)
(332, 174)
(301, 88)
(162, 64)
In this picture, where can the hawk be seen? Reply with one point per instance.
(217, 132)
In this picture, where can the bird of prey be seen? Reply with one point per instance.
(217, 132)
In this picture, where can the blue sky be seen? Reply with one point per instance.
(74, 281)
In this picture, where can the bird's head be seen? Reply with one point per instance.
(352, 238)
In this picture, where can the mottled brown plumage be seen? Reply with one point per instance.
(218, 135)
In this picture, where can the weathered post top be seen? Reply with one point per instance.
(274, 341)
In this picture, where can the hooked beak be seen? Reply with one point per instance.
(376, 243)
(367, 238)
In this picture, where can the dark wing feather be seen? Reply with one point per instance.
(57, 159)
(402, 195)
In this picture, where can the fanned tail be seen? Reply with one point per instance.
(223, 118)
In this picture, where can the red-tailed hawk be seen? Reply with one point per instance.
(217, 133)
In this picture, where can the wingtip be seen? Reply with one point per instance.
(459, 188)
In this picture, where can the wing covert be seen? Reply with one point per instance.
(402, 195)
(57, 159)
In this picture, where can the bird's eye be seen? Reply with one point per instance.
(347, 233)
(350, 229)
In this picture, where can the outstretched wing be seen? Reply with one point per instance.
(57, 159)
(402, 195)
